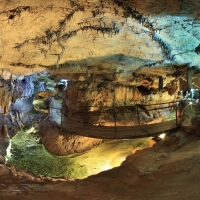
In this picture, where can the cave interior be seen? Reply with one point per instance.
(99, 99)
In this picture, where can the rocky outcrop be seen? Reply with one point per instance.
(4, 142)
(61, 143)
(190, 117)
(17, 95)
(103, 102)
(106, 93)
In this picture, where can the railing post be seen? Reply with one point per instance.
(138, 114)
(115, 123)
(85, 117)
(176, 115)
(61, 119)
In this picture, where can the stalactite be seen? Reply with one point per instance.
(43, 51)
(164, 46)
(160, 83)
(129, 12)
(5, 110)
(5, 131)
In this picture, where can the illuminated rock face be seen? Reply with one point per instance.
(86, 37)
(105, 93)
(61, 143)
(117, 52)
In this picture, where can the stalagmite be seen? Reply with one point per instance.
(5, 131)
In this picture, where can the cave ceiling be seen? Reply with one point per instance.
(97, 36)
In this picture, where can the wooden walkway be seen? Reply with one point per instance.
(119, 132)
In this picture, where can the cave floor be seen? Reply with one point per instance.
(29, 154)
(168, 170)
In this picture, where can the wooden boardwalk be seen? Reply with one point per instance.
(119, 132)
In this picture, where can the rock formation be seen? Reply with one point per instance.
(115, 54)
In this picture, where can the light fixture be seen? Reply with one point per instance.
(162, 136)
(190, 103)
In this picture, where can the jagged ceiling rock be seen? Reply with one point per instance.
(98, 36)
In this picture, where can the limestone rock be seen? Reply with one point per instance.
(70, 96)
(78, 38)
(62, 143)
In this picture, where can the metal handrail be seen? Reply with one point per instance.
(171, 106)
(137, 110)
(130, 105)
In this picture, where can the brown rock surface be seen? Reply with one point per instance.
(160, 172)
(3, 146)
(190, 118)
(2, 159)
(79, 38)
(4, 171)
(62, 143)
(70, 96)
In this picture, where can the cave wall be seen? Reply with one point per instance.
(16, 98)
(106, 93)
(116, 53)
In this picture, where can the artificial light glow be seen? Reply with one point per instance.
(192, 90)
(106, 167)
(115, 152)
(162, 136)
(190, 102)
(123, 159)
(118, 161)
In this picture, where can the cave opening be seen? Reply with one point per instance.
(144, 90)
